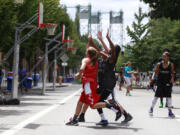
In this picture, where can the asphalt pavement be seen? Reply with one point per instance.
(47, 115)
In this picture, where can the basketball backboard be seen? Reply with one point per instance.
(40, 15)
(63, 33)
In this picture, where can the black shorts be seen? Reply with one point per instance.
(163, 90)
(104, 95)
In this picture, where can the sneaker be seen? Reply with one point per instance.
(118, 115)
(161, 105)
(128, 94)
(72, 123)
(127, 118)
(81, 119)
(102, 123)
(171, 114)
(151, 111)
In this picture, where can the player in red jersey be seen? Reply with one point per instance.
(88, 74)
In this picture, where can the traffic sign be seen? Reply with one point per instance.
(64, 58)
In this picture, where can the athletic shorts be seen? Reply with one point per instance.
(110, 97)
(163, 90)
(128, 81)
(89, 95)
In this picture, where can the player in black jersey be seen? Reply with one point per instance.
(107, 80)
(159, 60)
(165, 79)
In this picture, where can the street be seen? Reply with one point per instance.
(46, 115)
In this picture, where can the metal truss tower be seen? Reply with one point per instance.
(116, 27)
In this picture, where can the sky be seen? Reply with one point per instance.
(129, 7)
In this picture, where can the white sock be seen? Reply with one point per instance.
(114, 110)
(169, 103)
(154, 102)
(102, 116)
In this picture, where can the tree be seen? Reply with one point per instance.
(139, 29)
(164, 33)
(8, 21)
(138, 35)
(164, 8)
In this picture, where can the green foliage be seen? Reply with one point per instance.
(8, 21)
(11, 14)
(164, 8)
(139, 29)
(163, 33)
(138, 35)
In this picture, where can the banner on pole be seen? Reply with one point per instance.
(115, 19)
(95, 19)
(84, 14)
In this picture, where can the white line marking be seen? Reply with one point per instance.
(178, 117)
(18, 127)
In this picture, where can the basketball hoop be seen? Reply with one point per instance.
(18, 1)
(50, 28)
(69, 47)
(70, 44)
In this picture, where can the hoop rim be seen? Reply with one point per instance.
(47, 25)
(68, 41)
(70, 49)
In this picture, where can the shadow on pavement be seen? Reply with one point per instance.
(158, 117)
(35, 99)
(12, 112)
(34, 104)
(175, 108)
(113, 126)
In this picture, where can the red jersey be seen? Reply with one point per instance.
(90, 73)
(90, 76)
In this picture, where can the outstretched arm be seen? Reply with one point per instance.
(112, 48)
(99, 51)
(92, 43)
(99, 35)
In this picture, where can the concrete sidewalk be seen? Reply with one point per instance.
(31, 104)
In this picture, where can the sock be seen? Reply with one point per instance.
(114, 110)
(125, 113)
(161, 100)
(75, 117)
(82, 115)
(102, 116)
(154, 102)
(100, 111)
(169, 103)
